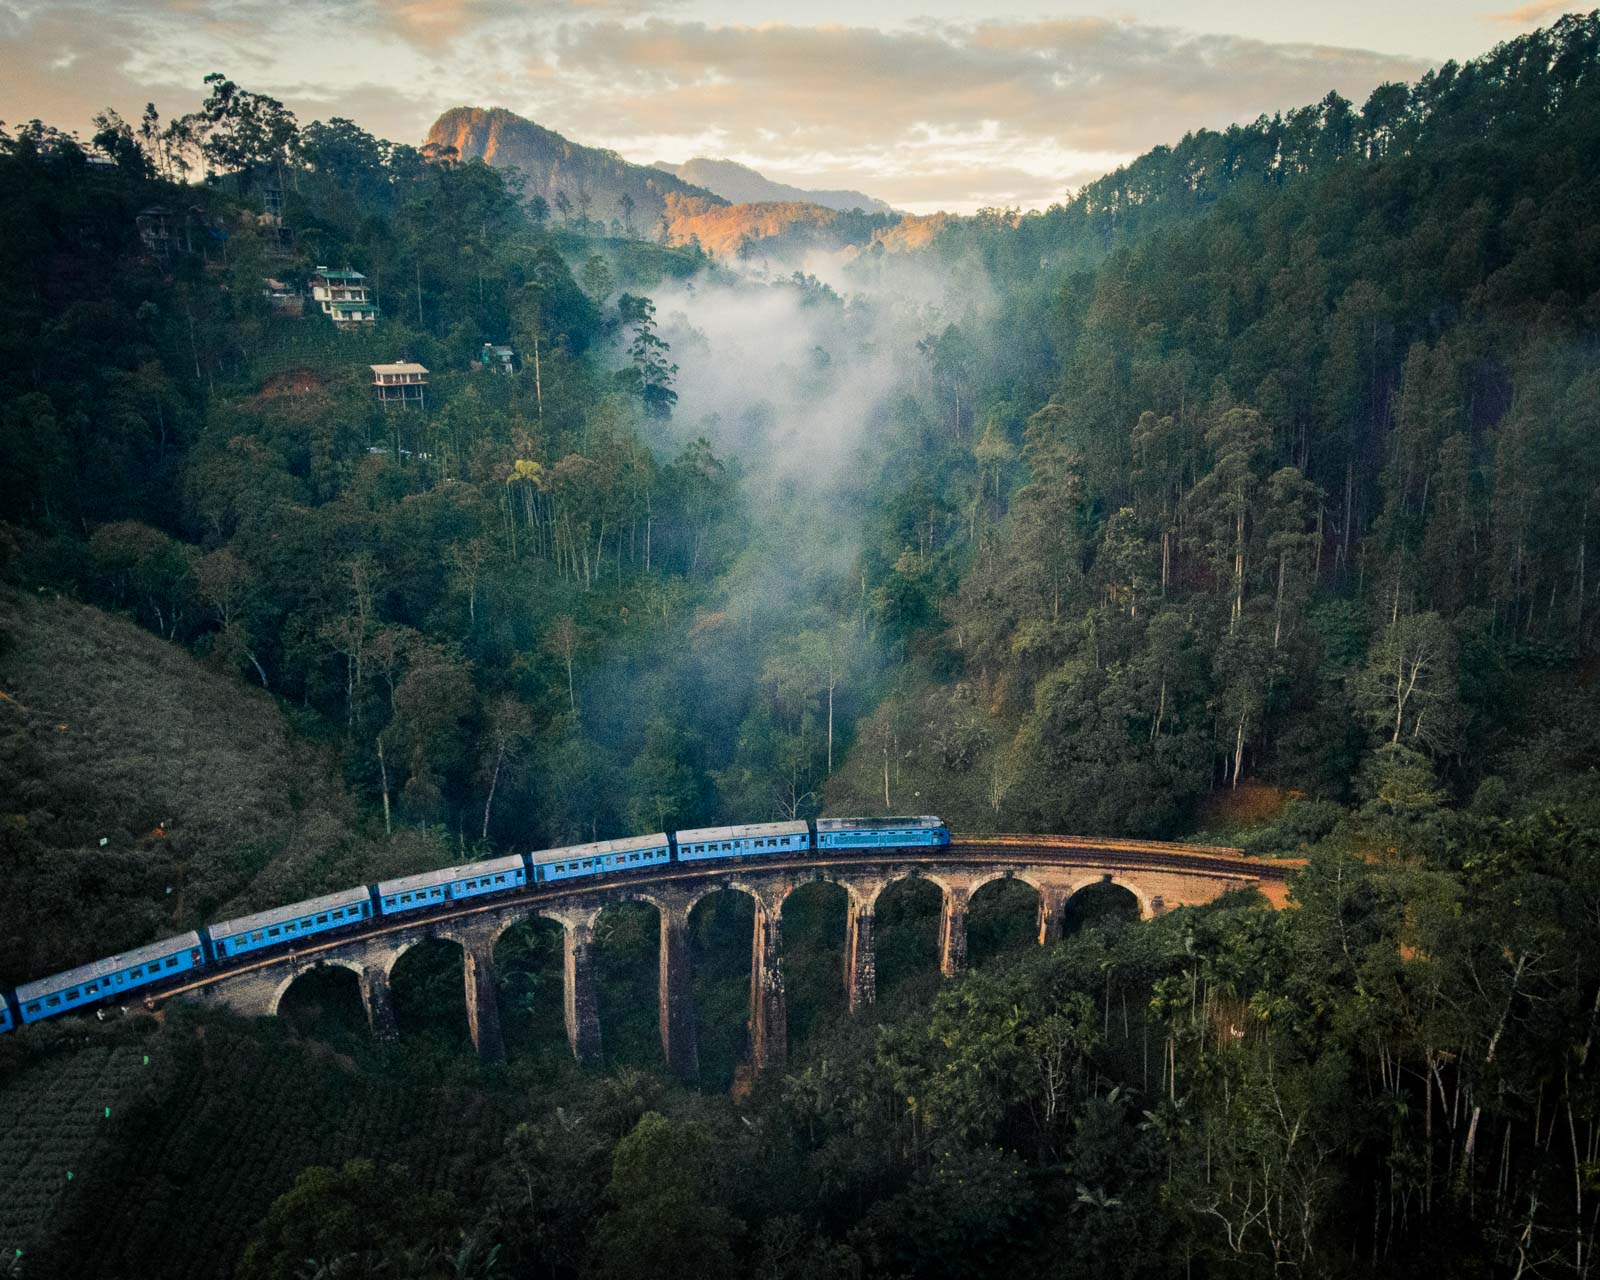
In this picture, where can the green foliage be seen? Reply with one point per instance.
(356, 1220)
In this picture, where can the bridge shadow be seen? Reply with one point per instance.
(906, 925)
(627, 967)
(528, 984)
(721, 925)
(430, 1002)
(1002, 920)
(814, 918)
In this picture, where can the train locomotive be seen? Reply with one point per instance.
(230, 942)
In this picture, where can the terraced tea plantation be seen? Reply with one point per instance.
(58, 1114)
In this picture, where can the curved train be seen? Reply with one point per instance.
(222, 943)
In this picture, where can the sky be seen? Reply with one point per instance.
(917, 102)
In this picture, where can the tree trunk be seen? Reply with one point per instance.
(383, 773)
(494, 781)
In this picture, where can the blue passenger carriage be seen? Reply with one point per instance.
(601, 857)
(497, 875)
(432, 888)
(285, 924)
(762, 838)
(873, 833)
(106, 979)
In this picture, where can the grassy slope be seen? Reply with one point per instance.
(142, 793)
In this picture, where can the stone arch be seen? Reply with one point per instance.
(412, 1011)
(908, 935)
(503, 924)
(1080, 883)
(627, 944)
(1005, 873)
(993, 929)
(593, 914)
(281, 989)
(818, 916)
(759, 894)
(524, 951)
(858, 894)
(946, 885)
(720, 935)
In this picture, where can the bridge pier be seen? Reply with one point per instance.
(676, 995)
(580, 1003)
(953, 932)
(769, 1018)
(1052, 906)
(860, 959)
(483, 1004)
(379, 1004)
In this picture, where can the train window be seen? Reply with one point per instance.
(91, 988)
(136, 972)
(323, 918)
(51, 1002)
(32, 1008)
(274, 931)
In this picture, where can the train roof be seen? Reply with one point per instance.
(745, 832)
(277, 915)
(877, 824)
(628, 845)
(446, 875)
(111, 964)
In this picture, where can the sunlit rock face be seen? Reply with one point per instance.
(591, 181)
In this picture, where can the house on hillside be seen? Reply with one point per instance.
(165, 231)
(282, 298)
(497, 359)
(344, 297)
(400, 385)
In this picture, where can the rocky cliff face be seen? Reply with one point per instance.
(591, 181)
(588, 185)
(740, 184)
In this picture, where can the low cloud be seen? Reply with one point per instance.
(935, 115)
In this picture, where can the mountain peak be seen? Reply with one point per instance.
(591, 181)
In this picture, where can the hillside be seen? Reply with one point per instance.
(740, 184)
(578, 182)
(141, 791)
(781, 230)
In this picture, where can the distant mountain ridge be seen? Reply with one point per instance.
(590, 185)
(592, 181)
(740, 184)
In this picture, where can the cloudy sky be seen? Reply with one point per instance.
(914, 101)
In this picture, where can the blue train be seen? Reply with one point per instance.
(240, 939)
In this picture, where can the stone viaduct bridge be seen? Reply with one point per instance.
(1160, 876)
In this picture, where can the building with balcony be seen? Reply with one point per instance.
(402, 385)
(344, 297)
